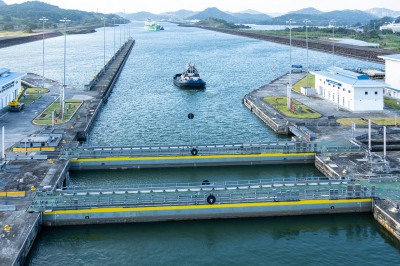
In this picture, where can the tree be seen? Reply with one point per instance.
(7, 18)
(8, 26)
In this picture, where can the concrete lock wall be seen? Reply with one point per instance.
(237, 210)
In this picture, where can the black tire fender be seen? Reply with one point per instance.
(211, 199)
(194, 151)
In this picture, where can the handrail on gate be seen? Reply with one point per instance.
(206, 149)
(54, 202)
(251, 184)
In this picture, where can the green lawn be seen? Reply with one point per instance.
(31, 94)
(382, 121)
(302, 83)
(391, 103)
(33, 91)
(349, 121)
(301, 111)
(385, 121)
(71, 106)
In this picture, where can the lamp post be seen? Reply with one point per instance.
(120, 33)
(333, 42)
(62, 100)
(114, 37)
(289, 87)
(43, 19)
(104, 42)
(124, 30)
(307, 21)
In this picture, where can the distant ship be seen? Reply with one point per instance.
(152, 25)
(395, 27)
(190, 79)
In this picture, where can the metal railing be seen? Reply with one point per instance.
(203, 186)
(206, 149)
(182, 194)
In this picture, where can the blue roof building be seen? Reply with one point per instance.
(10, 86)
(349, 90)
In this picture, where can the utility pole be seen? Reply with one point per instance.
(62, 100)
(104, 42)
(43, 19)
(333, 41)
(289, 87)
(114, 37)
(307, 21)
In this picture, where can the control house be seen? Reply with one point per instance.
(10, 86)
(349, 90)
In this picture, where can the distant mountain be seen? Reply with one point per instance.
(317, 17)
(251, 11)
(253, 17)
(141, 16)
(349, 17)
(248, 18)
(213, 12)
(2, 3)
(342, 17)
(307, 11)
(299, 18)
(383, 12)
(180, 14)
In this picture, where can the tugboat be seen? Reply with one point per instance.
(190, 79)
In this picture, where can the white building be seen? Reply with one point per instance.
(392, 77)
(10, 86)
(349, 90)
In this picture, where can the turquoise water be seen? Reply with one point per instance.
(307, 240)
(145, 108)
(190, 174)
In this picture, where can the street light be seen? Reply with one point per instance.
(124, 30)
(120, 33)
(104, 42)
(43, 19)
(65, 21)
(333, 41)
(114, 36)
(289, 87)
(307, 21)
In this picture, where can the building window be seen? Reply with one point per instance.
(349, 91)
(366, 93)
(376, 93)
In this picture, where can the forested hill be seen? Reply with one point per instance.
(21, 16)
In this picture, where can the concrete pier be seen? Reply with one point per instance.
(387, 213)
(26, 172)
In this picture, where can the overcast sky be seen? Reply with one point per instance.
(265, 6)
